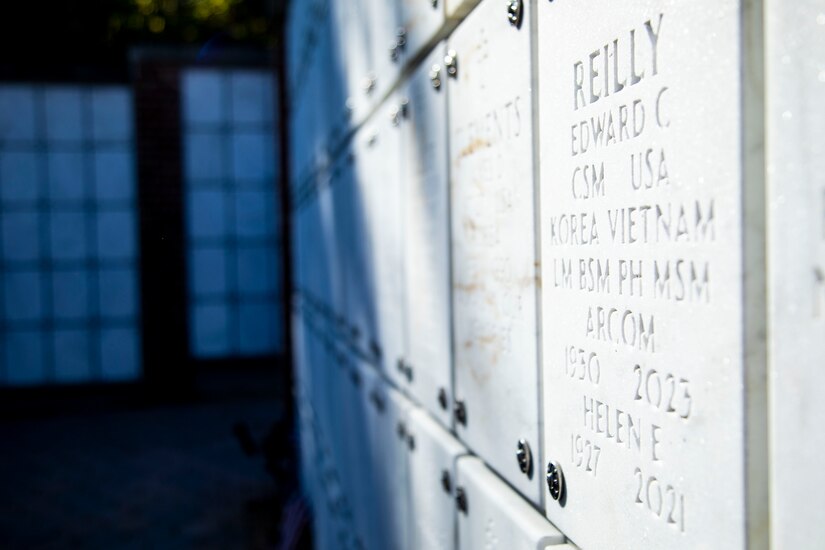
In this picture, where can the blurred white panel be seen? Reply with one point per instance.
(331, 278)
(359, 44)
(354, 240)
(65, 114)
(207, 271)
(114, 174)
(254, 213)
(21, 235)
(205, 157)
(795, 116)
(24, 357)
(432, 478)
(116, 235)
(204, 97)
(420, 20)
(252, 155)
(72, 358)
(117, 291)
(381, 185)
(70, 295)
(260, 326)
(389, 467)
(17, 114)
(256, 270)
(426, 219)
(357, 466)
(112, 114)
(331, 102)
(494, 241)
(495, 515)
(206, 214)
(210, 337)
(119, 354)
(20, 175)
(23, 295)
(252, 97)
(67, 176)
(68, 236)
(385, 25)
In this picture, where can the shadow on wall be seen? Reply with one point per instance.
(371, 264)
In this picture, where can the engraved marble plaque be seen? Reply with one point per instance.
(494, 264)
(650, 305)
(795, 122)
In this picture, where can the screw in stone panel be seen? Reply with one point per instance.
(408, 372)
(368, 83)
(442, 398)
(435, 76)
(451, 62)
(525, 458)
(460, 412)
(402, 430)
(411, 442)
(446, 483)
(434, 3)
(461, 499)
(515, 8)
(555, 480)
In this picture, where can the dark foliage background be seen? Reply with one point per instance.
(89, 40)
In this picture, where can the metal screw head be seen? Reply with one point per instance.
(461, 499)
(442, 398)
(555, 480)
(402, 430)
(399, 112)
(446, 483)
(375, 348)
(515, 8)
(460, 412)
(525, 458)
(411, 442)
(398, 46)
(451, 62)
(434, 3)
(368, 83)
(435, 76)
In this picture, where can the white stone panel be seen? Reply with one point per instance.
(795, 121)
(494, 249)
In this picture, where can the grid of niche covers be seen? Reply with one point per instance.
(68, 245)
(233, 258)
